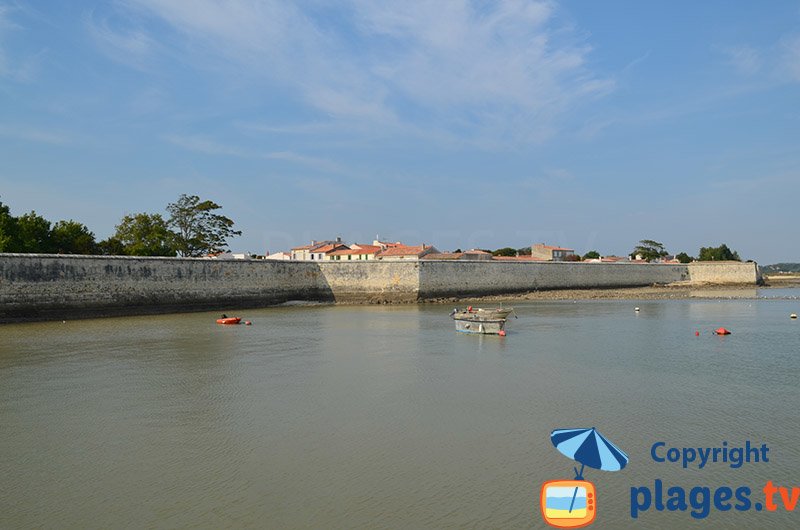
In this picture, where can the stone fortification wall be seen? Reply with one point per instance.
(37, 287)
(458, 278)
(40, 287)
(724, 272)
(372, 281)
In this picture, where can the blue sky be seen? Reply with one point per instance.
(455, 123)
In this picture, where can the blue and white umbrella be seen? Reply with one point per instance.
(590, 448)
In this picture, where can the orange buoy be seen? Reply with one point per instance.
(228, 320)
(247, 323)
(721, 331)
(502, 333)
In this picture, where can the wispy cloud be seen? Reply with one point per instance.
(201, 144)
(503, 68)
(120, 38)
(775, 64)
(745, 59)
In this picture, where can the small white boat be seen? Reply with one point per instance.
(481, 320)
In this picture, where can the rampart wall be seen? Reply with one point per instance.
(725, 272)
(459, 278)
(42, 287)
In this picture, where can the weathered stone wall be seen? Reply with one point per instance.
(372, 281)
(451, 278)
(40, 287)
(37, 287)
(723, 272)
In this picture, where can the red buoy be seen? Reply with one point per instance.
(502, 333)
(247, 323)
(721, 331)
(696, 333)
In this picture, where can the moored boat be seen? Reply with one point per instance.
(229, 320)
(488, 321)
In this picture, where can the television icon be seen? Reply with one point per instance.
(568, 503)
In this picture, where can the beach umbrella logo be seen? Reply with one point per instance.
(573, 503)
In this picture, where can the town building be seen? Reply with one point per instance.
(549, 253)
(314, 250)
(408, 253)
(321, 253)
(355, 252)
(387, 244)
(282, 256)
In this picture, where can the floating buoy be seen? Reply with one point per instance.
(793, 315)
(696, 333)
(502, 333)
(636, 309)
(721, 331)
(247, 323)
(469, 309)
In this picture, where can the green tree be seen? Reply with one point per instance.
(524, 251)
(507, 251)
(592, 254)
(8, 229)
(198, 229)
(683, 257)
(33, 234)
(141, 234)
(111, 247)
(649, 250)
(72, 237)
(720, 253)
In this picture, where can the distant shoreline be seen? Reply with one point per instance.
(654, 292)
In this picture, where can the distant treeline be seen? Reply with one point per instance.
(192, 229)
(781, 267)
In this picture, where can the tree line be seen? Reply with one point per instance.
(650, 250)
(192, 228)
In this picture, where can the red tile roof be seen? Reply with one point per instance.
(403, 250)
(366, 249)
(328, 248)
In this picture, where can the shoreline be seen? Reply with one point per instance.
(678, 291)
(652, 292)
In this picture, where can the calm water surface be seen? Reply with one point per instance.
(385, 417)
